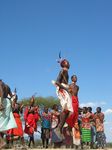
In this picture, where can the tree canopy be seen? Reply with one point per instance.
(42, 101)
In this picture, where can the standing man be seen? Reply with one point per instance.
(100, 135)
(73, 89)
(72, 120)
(46, 127)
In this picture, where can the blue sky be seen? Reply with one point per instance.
(33, 32)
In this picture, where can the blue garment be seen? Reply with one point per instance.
(46, 122)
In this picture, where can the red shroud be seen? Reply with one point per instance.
(30, 124)
(73, 118)
(30, 121)
(19, 130)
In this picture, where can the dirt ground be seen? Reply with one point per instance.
(19, 148)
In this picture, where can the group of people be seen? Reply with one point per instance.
(11, 126)
(70, 125)
(87, 131)
(85, 126)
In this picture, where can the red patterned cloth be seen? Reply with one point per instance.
(73, 118)
(99, 121)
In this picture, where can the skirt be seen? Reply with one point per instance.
(86, 135)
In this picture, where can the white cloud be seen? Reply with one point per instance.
(108, 111)
(108, 131)
(87, 104)
(92, 104)
(103, 103)
(108, 122)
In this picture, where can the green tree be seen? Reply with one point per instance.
(42, 101)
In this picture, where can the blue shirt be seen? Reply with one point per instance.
(46, 120)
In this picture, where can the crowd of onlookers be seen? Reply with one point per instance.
(88, 130)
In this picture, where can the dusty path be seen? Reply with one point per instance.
(60, 149)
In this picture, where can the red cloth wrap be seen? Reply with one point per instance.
(73, 118)
(30, 121)
(19, 130)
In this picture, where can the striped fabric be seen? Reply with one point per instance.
(86, 135)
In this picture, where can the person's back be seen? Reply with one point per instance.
(2, 92)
